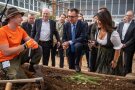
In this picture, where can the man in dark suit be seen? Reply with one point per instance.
(27, 26)
(85, 46)
(92, 33)
(73, 38)
(127, 35)
(43, 31)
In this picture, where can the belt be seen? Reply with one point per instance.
(47, 42)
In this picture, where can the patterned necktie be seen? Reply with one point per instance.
(73, 38)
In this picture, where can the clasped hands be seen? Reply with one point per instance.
(31, 44)
(65, 45)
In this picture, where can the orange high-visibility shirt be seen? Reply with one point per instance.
(11, 37)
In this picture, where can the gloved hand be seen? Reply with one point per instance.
(35, 46)
(31, 44)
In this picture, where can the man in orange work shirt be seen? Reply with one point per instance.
(12, 52)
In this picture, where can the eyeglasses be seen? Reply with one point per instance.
(71, 16)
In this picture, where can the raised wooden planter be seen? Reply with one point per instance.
(60, 79)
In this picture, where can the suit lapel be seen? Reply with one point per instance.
(77, 28)
(70, 31)
(40, 24)
(121, 29)
(129, 29)
(51, 26)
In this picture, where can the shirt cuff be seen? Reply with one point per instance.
(70, 42)
(118, 47)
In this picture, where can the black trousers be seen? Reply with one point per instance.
(128, 57)
(74, 57)
(61, 54)
(92, 59)
(32, 56)
(53, 54)
(46, 47)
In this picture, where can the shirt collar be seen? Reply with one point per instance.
(74, 24)
(129, 22)
(45, 21)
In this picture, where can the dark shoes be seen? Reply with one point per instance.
(77, 68)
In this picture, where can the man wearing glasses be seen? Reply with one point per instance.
(126, 29)
(73, 38)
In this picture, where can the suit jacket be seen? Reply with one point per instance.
(92, 31)
(80, 35)
(37, 29)
(129, 39)
(27, 27)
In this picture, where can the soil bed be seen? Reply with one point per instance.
(59, 79)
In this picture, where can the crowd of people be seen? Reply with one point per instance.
(108, 49)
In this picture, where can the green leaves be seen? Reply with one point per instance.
(83, 79)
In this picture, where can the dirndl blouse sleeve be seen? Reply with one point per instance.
(115, 39)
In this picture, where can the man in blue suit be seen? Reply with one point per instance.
(73, 39)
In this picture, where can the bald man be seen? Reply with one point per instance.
(43, 31)
(126, 31)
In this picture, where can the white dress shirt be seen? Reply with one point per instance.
(124, 30)
(45, 31)
(72, 27)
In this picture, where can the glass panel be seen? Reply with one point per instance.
(16, 2)
(89, 7)
(71, 4)
(77, 4)
(61, 5)
(31, 1)
(83, 6)
(31, 7)
(35, 3)
(95, 6)
(134, 6)
(129, 5)
(35, 8)
(2, 0)
(102, 3)
(57, 12)
(66, 5)
(27, 4)
(31, 4)
(60, 12)
(22, 3)
(108, 4)
(10, 1)
(122, 7)
(115, 7)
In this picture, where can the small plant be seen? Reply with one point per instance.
(83, 79)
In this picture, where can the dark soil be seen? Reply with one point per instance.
(59, 79)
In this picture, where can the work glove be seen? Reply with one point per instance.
(31, 44)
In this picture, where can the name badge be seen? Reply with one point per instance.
(6, 64)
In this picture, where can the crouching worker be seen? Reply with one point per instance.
(12, 52)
